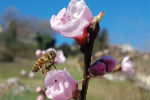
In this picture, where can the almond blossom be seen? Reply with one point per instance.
(31, 74)
(127, 66)
(40, 97)
(60, 85)
(73, 21)
(39, 89)
(23, 73)
(60, 58)
(38, 52)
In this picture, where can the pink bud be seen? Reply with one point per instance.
(23, 73)
(127, 66)
(60, 85)
(50, 49)
(39, 89)
(31, 74)
(60, 58)
(38, 52)
(40, 97)
(72, 22)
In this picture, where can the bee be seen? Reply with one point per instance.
(45, 62)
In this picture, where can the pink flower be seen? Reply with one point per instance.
(73, 21)
(60, 85)
(39, 89)
(49, 49)
(60, 58)
(40, 97)
(31, 74)
(38, 52)
(127, 66)
(23, 73)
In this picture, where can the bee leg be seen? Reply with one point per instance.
(43, 70)
(48, 67)
(46, 70)
(54, 66)
(40, 66)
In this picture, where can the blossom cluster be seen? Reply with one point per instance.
(41, 93)
(14, 85)
(73, 22)
(23, 73)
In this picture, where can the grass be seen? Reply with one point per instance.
(22, 96)
(99, 88)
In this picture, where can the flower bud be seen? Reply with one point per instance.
(23, 73)
(40, 97)
(127, 66)
(31, 75)
(38, 52)
(39, 90)
(60, 58)
(99, 17)
(110, 63)
(98, 69)
(102, 65)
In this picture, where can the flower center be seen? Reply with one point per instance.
(55, 81)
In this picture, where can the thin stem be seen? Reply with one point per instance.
(87, 51)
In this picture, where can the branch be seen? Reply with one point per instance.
(87, 48)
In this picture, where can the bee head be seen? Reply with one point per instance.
(53, 53)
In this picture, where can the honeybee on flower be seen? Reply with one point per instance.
(45, 61)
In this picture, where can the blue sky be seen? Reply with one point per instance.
(127, 21)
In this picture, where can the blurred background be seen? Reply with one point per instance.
(25, 27)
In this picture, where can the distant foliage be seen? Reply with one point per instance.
(12, 46)
(9, 38)
(7, 56)
(65, 48)
(102, 41)
(11, 34)
(44, 41)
